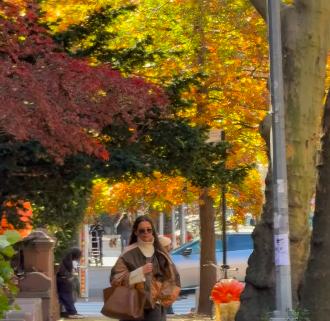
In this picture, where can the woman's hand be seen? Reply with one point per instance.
(147, 268)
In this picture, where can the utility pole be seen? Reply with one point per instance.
(183, 226)
(224, 216)
(173, 228)
(281, 221)
(183, 231)
(161, 223)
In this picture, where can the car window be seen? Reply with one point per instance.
(239, 242)
(194, 246)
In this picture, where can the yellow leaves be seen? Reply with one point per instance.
(158, 192)
(235, 60)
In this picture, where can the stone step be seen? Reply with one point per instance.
(14, 315)
(33, 305)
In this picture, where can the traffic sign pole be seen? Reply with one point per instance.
(281, 221)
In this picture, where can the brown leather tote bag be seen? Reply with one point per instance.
(121, 302)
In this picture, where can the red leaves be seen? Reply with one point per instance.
(62, 102)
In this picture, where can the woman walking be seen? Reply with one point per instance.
(146, 265)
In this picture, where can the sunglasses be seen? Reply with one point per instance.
(145, 231)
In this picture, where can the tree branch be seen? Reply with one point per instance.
(261, 7)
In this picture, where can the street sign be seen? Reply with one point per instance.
(214, 136)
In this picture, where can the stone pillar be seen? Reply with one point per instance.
(39, 257)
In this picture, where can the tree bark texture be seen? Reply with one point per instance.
(167, 224)
(305, 40)
(315, 293)
(208, 273)
(258, 297)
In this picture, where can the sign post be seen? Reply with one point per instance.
(84, 262)
(281, 219)
(173, 228)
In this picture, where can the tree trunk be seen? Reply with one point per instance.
(315, 294)
(305, 39)
(208, 273)
(305, 34)
(207, 253)
(258, 297)
(156, 223)
(167, 224)
(3, 191)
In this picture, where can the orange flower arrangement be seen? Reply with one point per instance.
(226, 291)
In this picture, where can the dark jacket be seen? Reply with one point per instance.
(64, 275)
(124, 227)
(97, 230)
(164, 288)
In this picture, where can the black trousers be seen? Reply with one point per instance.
(124, 238)
(65, 298)
(155, 314)
(101, 249)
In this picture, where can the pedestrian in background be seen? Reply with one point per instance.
(146, 265)
(64, 280)
(167, 244)
(124, 228)
(97, 232)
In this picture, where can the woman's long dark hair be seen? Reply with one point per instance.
(160, 252)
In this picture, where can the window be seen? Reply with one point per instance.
(194, 246)
(239, 242)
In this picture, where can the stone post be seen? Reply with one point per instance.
(39, 257)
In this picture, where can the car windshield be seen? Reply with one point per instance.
(235, 242)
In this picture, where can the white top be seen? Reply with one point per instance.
(148, 250)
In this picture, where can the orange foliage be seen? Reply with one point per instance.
(236, 62)
(25, 217)
(160, 193)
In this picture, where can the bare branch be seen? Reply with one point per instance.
(261, 7)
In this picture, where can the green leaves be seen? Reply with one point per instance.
(6, 241)
(12, 237)
(7, 287)
(3, 242)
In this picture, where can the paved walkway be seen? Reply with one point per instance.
(183, 306)
(177, 318)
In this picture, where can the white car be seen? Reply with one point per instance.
(239, 248)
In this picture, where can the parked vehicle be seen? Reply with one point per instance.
(239, 248)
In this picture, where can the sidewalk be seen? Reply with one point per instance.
(172, 318)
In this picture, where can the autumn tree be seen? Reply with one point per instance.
(58, 190)
(305, 49)
(54, 106)
(40, 84)
(157, 192)
(231, 97)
